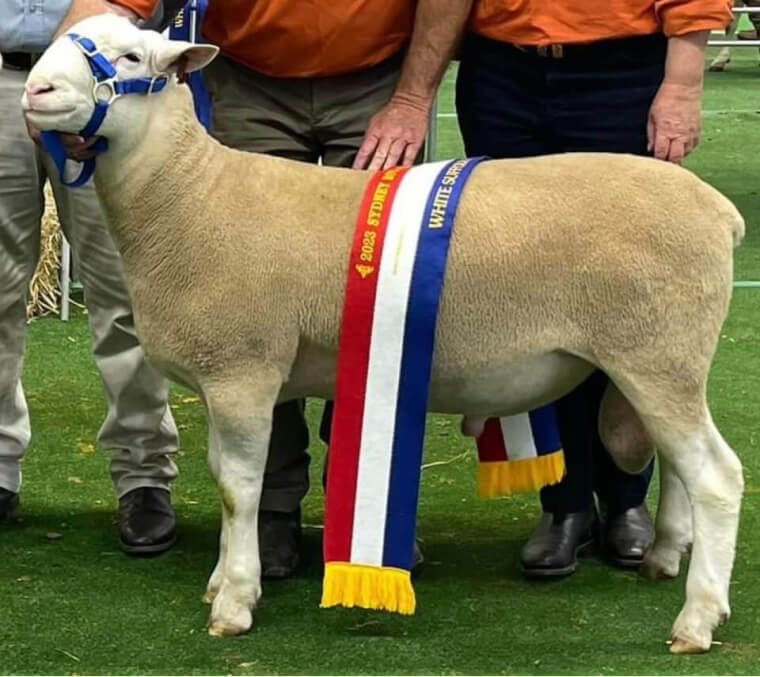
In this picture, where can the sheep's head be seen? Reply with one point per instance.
(60, 92)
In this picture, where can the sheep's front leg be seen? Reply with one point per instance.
(217, 576)
(240, 421)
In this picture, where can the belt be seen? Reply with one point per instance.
(640, 44)
(17, 61)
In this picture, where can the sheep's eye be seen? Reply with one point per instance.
(132, 57)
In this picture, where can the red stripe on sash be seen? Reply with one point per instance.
(353, 360)
(491, 445)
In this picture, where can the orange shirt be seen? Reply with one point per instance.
(545, 22)
(304, 38)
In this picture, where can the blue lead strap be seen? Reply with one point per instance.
(187, 26)
(51, 142)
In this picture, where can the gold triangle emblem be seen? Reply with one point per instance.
(364, 270)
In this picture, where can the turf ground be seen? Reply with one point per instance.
(71, 603)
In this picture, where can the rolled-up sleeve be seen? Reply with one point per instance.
(679, 17)
(29, 25)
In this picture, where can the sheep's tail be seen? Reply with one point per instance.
(733, 218)
(738, 227)
(727, 214)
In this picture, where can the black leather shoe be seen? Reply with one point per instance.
(627, 536)
(556, 542)
(147, 522)
(8, 504)
(279, 543)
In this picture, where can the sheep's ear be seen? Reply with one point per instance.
(173, 53)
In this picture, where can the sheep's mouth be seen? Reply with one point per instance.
(48, 111)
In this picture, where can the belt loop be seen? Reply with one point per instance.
(557, 51)
(542, 50)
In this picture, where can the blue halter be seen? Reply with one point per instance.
(106, 89)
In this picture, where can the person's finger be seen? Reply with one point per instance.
(34, 133)
(650, 134)
(661, 146)
(410, 154)
(381, 152)
(81, 156)
(694, 142)
(74, 143)
(677, 151)
(365, 151)
(394, 153)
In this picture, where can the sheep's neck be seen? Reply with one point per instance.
(139, 186)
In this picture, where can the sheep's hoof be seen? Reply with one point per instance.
(684, 646)
(221, 629)
(656, 566)
(229, 616)
(229, 627)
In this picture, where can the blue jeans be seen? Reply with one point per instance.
(516, 103)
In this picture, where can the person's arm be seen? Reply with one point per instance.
(675, 118)
(81, 9)
(397, 131)
(135, 10)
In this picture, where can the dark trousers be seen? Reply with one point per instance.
(513, 102)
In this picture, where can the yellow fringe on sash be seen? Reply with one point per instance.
(502, 478)
(368, 587)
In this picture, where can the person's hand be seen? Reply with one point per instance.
(675, 121)
(395, 135)
(76, 147)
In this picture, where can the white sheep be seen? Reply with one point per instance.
(236, 266)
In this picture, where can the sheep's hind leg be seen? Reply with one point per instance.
(673, 526)
(712, 476)
(240, 421)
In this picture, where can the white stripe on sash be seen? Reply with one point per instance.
(384, 368)
(518, 437)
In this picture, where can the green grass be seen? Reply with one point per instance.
(77, 605)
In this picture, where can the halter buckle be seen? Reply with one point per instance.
(110, 85)
(87, 52)
(154, 82)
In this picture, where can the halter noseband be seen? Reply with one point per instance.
(106, 89)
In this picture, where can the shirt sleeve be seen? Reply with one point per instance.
(679, 17)
(29, 25)
(143, 8)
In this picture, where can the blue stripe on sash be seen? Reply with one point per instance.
(543, 421)
(416, 363)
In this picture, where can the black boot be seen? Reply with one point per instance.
(627, 535)
(8, 505)
(556, 542)
(279, 543)
(147, 523)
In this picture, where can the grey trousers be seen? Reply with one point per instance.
(139, 427)
(305, 119)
